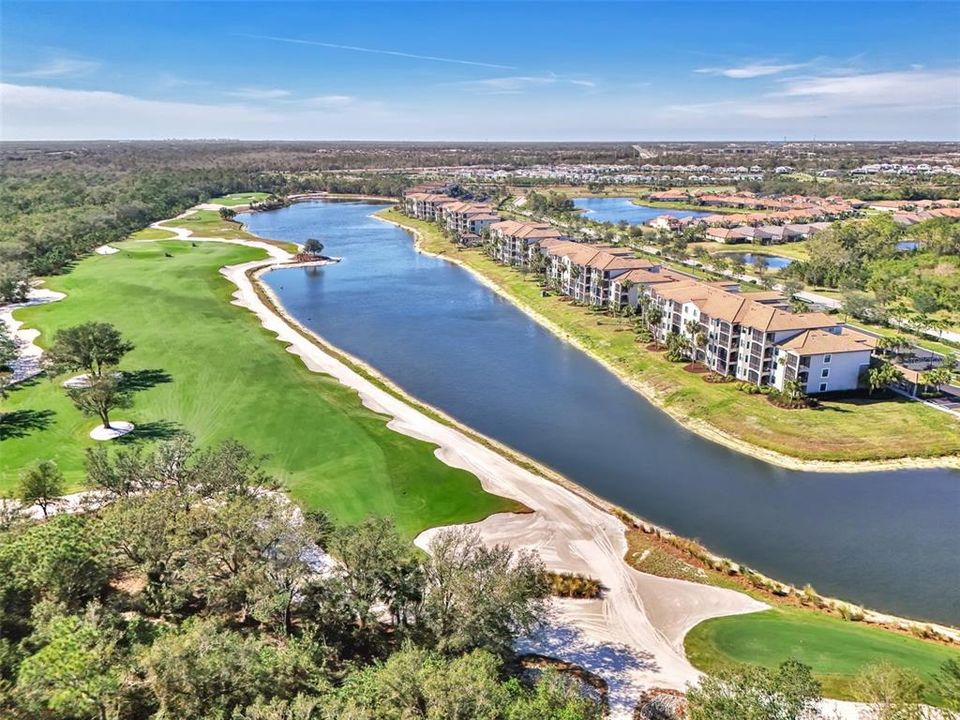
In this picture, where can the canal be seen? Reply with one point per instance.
(889, 540)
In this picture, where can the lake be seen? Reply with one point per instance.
(890, 540)
(615, 209)
(773, 262)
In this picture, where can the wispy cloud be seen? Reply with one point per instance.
(887, 93)
(62, 67)
(751, 70)
(519, 84)
(251, 93)
(376, 51)
(330, 102)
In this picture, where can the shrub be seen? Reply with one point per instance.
(573, 585)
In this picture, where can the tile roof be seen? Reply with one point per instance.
(821, 342)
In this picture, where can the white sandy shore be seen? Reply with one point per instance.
(700, 427)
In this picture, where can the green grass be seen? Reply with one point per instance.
(841, 430)
(208, 223)
(240, 198)
(232, 379)
(836, 649)
(152, 234)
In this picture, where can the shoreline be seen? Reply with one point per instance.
(698, 427)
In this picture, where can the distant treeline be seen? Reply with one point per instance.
(57, 205)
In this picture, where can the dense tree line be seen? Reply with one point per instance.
(57, 205)
(191, 589)
(862, 256)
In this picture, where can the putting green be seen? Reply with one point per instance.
(836, 649)
(228, 378)
(240, 198)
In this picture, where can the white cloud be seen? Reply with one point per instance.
(751, 70)
(250, 93)
(888, 94)
(330, 102)
(33, 112)
(518, 84)
(60, 68)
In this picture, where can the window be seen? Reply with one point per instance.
(825, 372)
(823, 387)
(826, 359)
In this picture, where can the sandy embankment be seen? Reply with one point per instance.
(700, 427)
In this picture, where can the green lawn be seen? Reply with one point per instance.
(208, 223)
(152, 234)
(229, 378)
(240, 198)
(836, 649)
(859, 429)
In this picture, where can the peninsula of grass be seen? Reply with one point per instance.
(856, 429)
(209, 224)
(837, 650)
(235, 199)
(217, 374)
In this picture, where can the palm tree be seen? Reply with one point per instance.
(883, 375)
(654, 318)
(697, 338)
(936, 377)
(793, 390)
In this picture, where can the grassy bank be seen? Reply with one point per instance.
(220, 375)
(841, 430)
(236, 199)
(837, 650)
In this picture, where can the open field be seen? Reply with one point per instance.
(837, 650)
(235, 199)
(859, 429)
(216, 373)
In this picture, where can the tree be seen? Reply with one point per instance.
(92, 347)
(883, 375)
(946, 683)
(41, 485)
(891, 693)
(227, 213)
(697, 338)
(750, 692)
(8, 353)
(480, 597)
(379, 566)
(99, 396)
(936, 377)
(14, 282)
(793, 390)
(313, 247)
(78, 669)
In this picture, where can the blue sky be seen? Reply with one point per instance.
(481, 71)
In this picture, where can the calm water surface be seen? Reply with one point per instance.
(615, 209)
(774, 262)
(889, 540)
